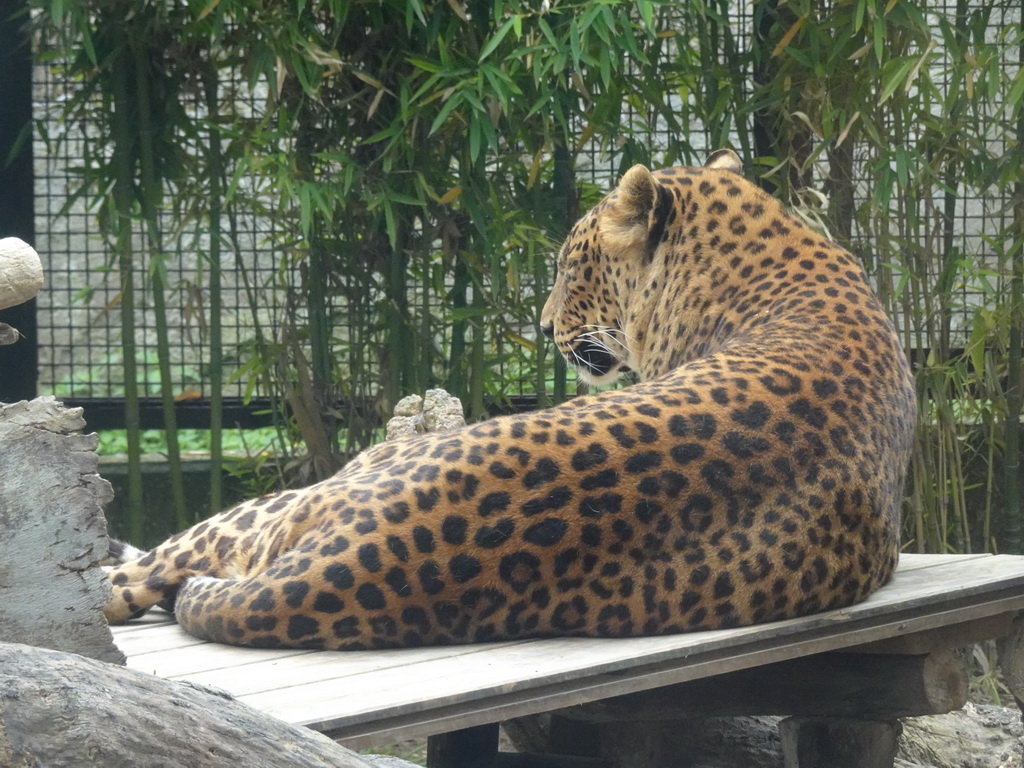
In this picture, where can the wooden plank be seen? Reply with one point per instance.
(950, 636)
(274, 675)
(192, 662)
(147, 620)
(366, 697)
(154, 639)
(839, 684)
(911, 560)
(591, 687)
(551, 666)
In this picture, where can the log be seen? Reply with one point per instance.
(52, 589)
(64, 711)
(879, 686)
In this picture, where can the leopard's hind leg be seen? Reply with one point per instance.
(226, 545)
(296, 602)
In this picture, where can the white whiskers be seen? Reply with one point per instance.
(602, 332)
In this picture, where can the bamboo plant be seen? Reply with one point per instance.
(421, 159)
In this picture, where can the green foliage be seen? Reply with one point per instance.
(929, 107)
(419, 161)
(416, 159)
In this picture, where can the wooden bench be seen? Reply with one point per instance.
(903, 638)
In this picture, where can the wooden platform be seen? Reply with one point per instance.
(376, 697)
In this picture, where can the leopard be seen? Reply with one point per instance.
(752, 472)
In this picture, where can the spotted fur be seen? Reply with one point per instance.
(754, 474)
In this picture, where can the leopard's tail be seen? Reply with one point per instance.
(122, 552)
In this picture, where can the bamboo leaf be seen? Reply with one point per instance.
(425, 64)
(575, 46)
(788, 36)
(858, 15)
(450, 196)
(401, 197)
(522, 341)
(545, 29)
(878, 37)
(496, 39)
(368, 79)
(390, 223)
(459, 10)
(206, 11)
(446, 109)
(531, 177)
(475, 136)
(417, 8)
(1012, 105)
(846, 129)
(895, 74)
(861, 52)
(646, 10)
(372, 109)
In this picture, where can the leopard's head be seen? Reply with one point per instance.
(604, 265)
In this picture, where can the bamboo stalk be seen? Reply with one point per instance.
(425, 357)
(541, 283)
(457, 348)
(316, 306)
(150, 195)
(562, 183)
(401, 352)
(122, 135)
(216, 367)
(1011, 433)
(262, 345)
(323, 437)
(476, 356)
(358, 293)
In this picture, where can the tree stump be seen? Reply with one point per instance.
(52, 590)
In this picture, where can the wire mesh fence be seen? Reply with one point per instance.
(80, 335)
(80, 343)
(385, 216)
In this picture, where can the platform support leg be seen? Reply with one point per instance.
(1011, 659)
(573, 737)
(475, 747)
(832, 742)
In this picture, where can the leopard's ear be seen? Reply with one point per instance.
(637, 193)
(633, 211)
(724, 160)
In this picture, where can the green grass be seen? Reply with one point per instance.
(235, 441)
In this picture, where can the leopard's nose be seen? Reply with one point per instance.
(548, 330)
